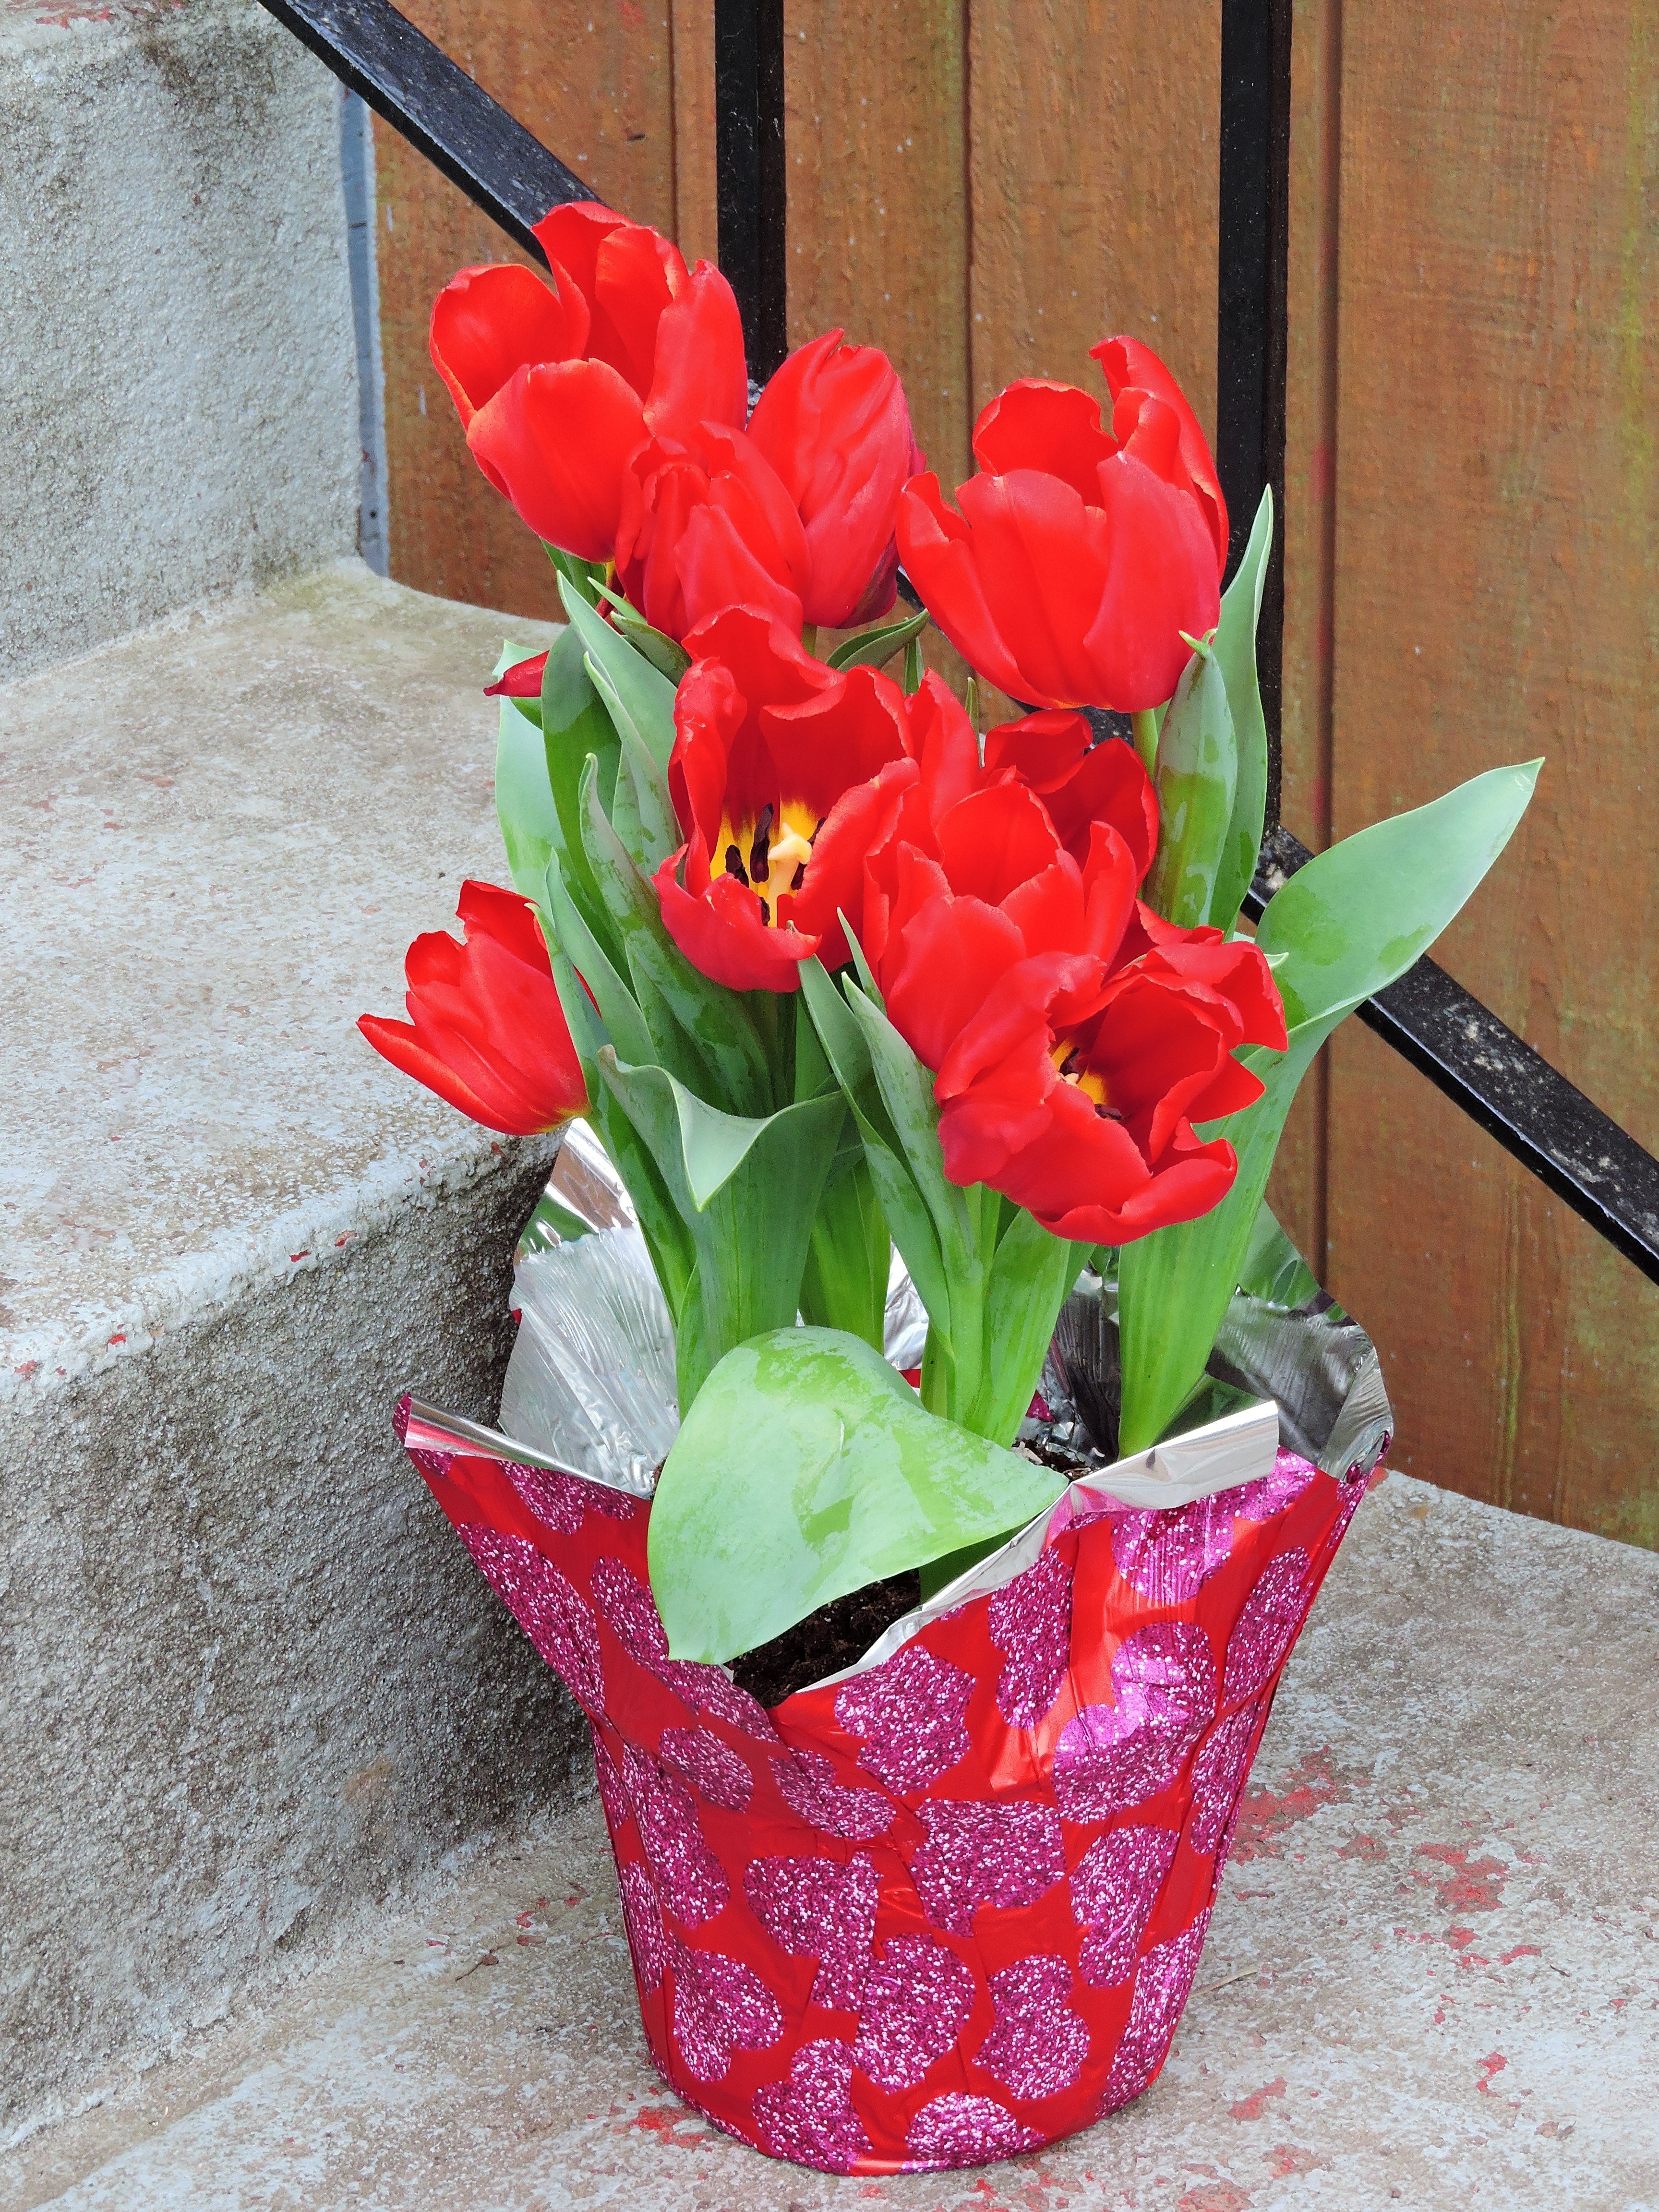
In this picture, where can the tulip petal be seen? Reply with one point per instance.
(1044, 559)
(1161, 580)
(936, 548)
(489, 322)
(994, 839)
(637, 273)
(698, 373)
(1036, 424)
(1126, 360)
(558, 437)
(721, 934)
(949, 954)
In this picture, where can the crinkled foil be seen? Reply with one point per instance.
(1319, 1367)
(590, 1384)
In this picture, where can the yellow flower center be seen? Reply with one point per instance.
(769, 853)
(1068, 1063)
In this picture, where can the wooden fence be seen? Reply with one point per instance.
(985, 187)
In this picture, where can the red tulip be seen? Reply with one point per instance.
(785, 776)
(705, 525)
(486, 1030)
(1080, 555)
(1080, 782)
(557, 387)
(1074, 1037)
(522, 681)
(834, 424)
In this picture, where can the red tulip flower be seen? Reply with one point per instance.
(785, 776)
(1079, 781)
(523, 680)
(834, 424)
(486, 1030)
(1074, 1037)
(705, 524)
(1080, 554)
(557, 387)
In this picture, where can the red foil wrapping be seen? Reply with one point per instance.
(949, 1907)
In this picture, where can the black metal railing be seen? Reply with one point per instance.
(1497, 1079)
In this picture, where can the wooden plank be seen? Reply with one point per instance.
(1497, 596)
(1297, 1191)
(595, 85)
(695, 223)
(1094, 181)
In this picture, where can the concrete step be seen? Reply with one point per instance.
(176, 319)
(1429, 1982)
(252, 1688)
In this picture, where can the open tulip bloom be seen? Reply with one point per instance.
(829, 969)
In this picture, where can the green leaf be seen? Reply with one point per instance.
(576, 727)
(1031, 1278)
(713, 1019)
(909, 1220)
(646, 693)
(874, 649)
(807, 1468)
(1235, 655)
(640, 811)
(586, 576)
(747, 1189)
(1272, 1269)
(1349, 923)
(618, 1010)
(844, 1283)
(1197, 778)
(524, 805)
(668, 659)
(907, 1091)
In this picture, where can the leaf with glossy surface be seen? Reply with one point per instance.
(1361, 913)
(646, 693)
(747, 1189)
(668, 659)
(1197, 778)
(874, 649)
(1235, 655)
(807, 1468)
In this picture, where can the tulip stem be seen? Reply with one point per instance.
(1145, 725)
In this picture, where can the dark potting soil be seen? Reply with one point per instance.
(826, 1641)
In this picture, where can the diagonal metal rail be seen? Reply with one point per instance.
(1496, 1078)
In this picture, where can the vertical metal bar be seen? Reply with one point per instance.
(1251, 321)
(751, 184)
(358, 176)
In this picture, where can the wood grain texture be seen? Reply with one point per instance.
(696, 223)
(1094, 179)
(1298, 1188)
(874, 124)
(1496, 560)
(595, 84)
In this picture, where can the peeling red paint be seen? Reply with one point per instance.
(1215, 2196)
(1266, 1814)
(1520, 1951)
(1289, 2158)
(1363, 1847)
(1490, 2066)
(1470, 1884)
(662, 2120)
(1251, 2107)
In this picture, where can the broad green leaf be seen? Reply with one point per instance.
(806, 1469)
(844, 1283)
(550, 1225)
(624, 1026)
(874, 649)
(909, 1221)
(907, 1093)
(1273, 1270)
(524, 805)
(575, 727)
(1197, 778)
(1349, 922)
(640, 812)
(747, 1189)
(667, 1238)
(668, 659)
(646, 693)
(913, 670)
(713, 1019)
(1031, 1278)
(1235, 655)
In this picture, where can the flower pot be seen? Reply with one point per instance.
(949, 1905)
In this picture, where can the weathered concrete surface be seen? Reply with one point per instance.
(175, 316)
(249, 1684)
(1432, 1983)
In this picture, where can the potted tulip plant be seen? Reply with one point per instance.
(879, 1032)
